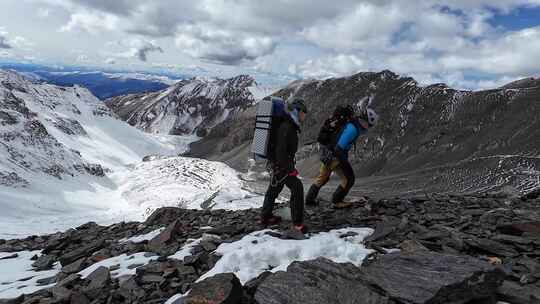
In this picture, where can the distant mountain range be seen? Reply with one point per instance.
(102, 84)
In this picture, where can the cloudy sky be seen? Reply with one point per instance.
(466, 43)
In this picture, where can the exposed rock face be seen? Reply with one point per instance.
(44, 262)
(318, 281)
(433, 278)
(98, 280)
(164, 216)
(166, 243)
(516, 293)
(224, 288)
(437, 138)
(394, 278)
(189, 106)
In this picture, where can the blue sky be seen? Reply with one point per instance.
(471, 44)
(518, 19)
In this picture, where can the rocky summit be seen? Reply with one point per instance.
(425, 249)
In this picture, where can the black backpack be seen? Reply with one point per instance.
(332, 126)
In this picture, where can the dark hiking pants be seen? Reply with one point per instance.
(296, 201)
(343, 189)
(346, 174)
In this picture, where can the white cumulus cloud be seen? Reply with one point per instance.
(333, 66)
(90, 22)
(222, 46)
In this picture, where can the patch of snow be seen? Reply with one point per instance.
(143, 237)
(259, 252)
(391, 250)
(186, 250)
(404, 112)
(165, 93)
(452, 106)
(124, 262)
(17, 276)
(188, 183)
(190, 244)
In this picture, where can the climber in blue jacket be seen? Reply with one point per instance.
(338, 161)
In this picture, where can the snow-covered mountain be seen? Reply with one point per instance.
(65, 158)
(62, 131)
(189, 106)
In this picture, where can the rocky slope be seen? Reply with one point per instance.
(189, 106)
(432, 138)
(461, 249)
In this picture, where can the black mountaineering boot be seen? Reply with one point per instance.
(311, 197)
(338, 196)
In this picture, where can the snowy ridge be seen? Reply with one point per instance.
(65, 131)
(66, 159)
(189, 106)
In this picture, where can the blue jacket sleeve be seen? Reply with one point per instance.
(348, 136)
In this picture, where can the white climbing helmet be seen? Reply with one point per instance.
(372, 117)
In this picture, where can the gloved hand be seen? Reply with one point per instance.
(294, 173)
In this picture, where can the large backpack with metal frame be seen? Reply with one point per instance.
(270, 113)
